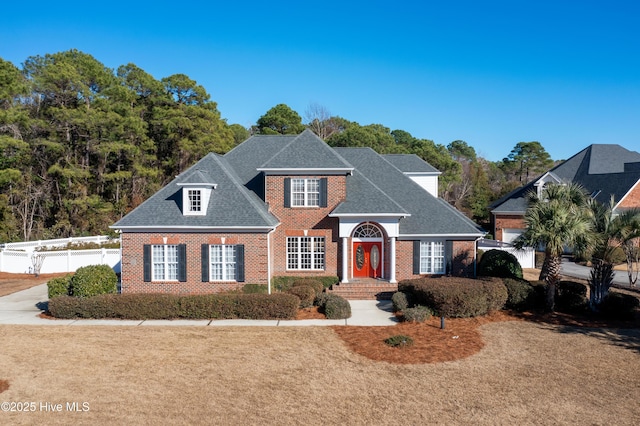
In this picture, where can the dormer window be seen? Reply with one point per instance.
(196, 192)
(195, 200)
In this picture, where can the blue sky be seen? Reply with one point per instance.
(492, 73)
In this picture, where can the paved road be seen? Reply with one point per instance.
(572, 269)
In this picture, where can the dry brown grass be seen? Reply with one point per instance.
(11, 283)
(525, 373)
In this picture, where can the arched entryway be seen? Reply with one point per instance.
(367, 251)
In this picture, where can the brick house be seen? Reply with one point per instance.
(293, 206)
(604, 170)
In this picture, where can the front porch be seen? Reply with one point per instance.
(364, 289)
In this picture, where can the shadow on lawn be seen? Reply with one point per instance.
(625, 334)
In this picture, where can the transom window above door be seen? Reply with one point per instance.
(367, 230)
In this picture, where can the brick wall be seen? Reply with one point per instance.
(312, 221)
(132, 261)
(506, 221)
(632, 199)
(462, 262)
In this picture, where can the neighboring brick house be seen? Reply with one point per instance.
(605, 171)
(293, 206)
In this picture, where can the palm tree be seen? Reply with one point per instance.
(626, 232)
(556, 219)
(601, 252)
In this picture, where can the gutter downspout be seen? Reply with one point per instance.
(269, 260)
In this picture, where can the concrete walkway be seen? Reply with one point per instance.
(24, 307)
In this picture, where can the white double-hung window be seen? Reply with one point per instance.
(164, 260)
(305, 192)
(223, 262)
(432, 257)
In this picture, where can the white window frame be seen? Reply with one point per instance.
(306, 251)
(430, 259)
(163, 266)
(307, 197)
(194, 197)
(227, 261)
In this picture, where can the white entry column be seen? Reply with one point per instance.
(345, 259)
(392, 260)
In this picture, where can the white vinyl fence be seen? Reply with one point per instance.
(20, 258)
(526, 257)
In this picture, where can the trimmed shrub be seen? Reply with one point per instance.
(316, 285)
(255, 288)
(334, 306)
(521, 294)
(285, 283)
(571, 297)
(58, 286)
(170, 306)
(305, 293)
(398, 341)
(417, 314)
(400, 301)
(93, 280)
(499, 263)
(619, 306)
(457, 297)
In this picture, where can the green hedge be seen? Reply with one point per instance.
(457, 297)
(571, 297)
(169, 306)
(417, 314)
(93, 280)
(521, 294)
(499, 263)
(316, 285)
(58, 286)
(285, 283)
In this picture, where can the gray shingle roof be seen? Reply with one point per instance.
(410, 163)
(376, 186)
(231, 204)
(604, 170)
(304, 152)
(429, 215)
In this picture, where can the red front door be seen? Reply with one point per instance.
(367, 259)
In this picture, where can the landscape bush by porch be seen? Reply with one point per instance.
(305, 293)
(316, 285)
(168, 306)
(333, 306)
(456, 297)
(283, 283)
(417, 314)
(93, 280)
(400, 301)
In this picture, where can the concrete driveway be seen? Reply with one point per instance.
(572, 269)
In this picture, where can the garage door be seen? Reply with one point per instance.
(509, 235)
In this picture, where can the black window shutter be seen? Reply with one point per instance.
(287, 192)
(323, 192)
(146, 262)
(448, 257)
(240, 263)
(182, 262)
(416, 257)
(205, 263)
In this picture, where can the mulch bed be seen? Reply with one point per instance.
(459, 339)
